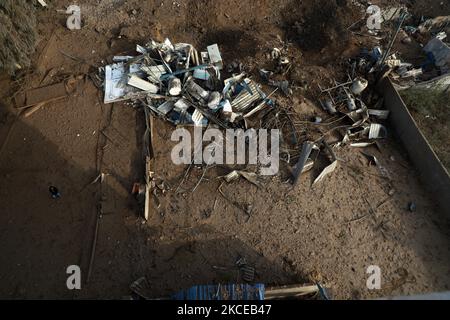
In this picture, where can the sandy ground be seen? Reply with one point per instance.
(292, 235)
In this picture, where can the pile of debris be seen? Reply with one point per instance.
(183, 86)
(344, 99)
(412, 32)
(434, 68)
(347, 98)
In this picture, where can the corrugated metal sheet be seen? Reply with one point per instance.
(222, 292)
(244, 99)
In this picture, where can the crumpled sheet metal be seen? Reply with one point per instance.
(328, 169)
(116, 81)
(166, 71)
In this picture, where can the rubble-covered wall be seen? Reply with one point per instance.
(17, 34)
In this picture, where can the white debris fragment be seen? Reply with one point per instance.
(174, 86)
(141, 49)
(380, 114)
(201, 74)
(214, 100)
(197, 118)
(166, 107)
(275, 54)
(181, 105)
(377, 131)
(227, 106)
(204, 57)
(214, 56)
(329, 169)
(232, 176)
(361, 144)
(154, 72)
(121, 58)
(115, 86)
(359, 85)
(139, 83)
(441, 35)
(196, 91)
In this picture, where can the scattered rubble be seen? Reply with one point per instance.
(246, 271)
(430, 35)
(183, 86)
(249, 176)
(435, 25)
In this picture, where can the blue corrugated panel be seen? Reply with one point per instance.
(222, 292)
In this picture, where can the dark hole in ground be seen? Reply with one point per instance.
(321, 25)
(233, 43)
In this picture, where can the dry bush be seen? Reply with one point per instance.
(17, 34)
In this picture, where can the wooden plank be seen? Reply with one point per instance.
(41, 95)
(148, 187)
(289, 291)
(33, 109)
